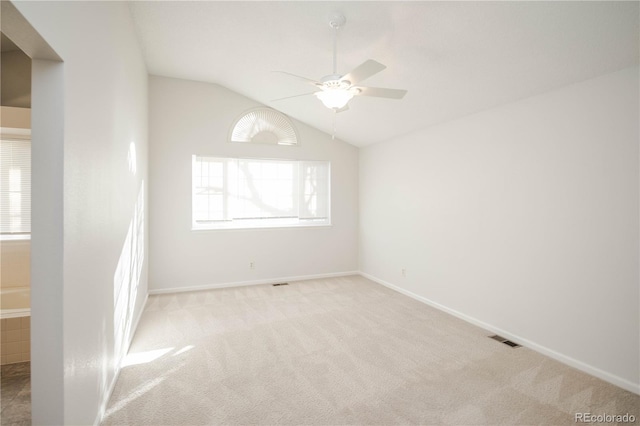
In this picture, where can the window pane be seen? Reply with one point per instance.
(15, 186)
(315, 182)
(265, 189)
(208, 190)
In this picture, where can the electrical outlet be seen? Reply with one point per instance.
(403, 272)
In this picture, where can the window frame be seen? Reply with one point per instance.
(272, 223)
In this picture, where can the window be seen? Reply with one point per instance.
(15, 184)
(264, 125)
(257, 193)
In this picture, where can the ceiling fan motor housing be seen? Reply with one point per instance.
(333, 81)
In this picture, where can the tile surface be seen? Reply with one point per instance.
(15, 394)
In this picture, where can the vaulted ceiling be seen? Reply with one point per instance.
(454, 58)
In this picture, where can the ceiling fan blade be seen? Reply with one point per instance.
(364, 71)
(294, 96)
(308, 80)
(379, 92)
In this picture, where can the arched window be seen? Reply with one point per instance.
(264, 125)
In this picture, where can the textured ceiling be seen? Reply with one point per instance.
(454, 58)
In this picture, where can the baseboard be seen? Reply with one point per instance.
(572, 362)
(253, 282)
(112, 385)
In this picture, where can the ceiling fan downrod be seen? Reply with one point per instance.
(336, 21)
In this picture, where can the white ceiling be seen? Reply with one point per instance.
(454, 58)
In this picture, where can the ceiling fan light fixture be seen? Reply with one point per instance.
(335, 98)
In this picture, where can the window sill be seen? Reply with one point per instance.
(22, 237)
(245, 226)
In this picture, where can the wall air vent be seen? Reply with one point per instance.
(505, 341)
(264, 125)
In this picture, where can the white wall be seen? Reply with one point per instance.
(524, 218)
(47, 241)
(189, 118)
(104, 93)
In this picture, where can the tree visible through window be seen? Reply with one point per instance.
(248, 193)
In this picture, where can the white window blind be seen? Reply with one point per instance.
(254, 193)
(15, 185)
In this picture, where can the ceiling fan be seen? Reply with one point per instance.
(335, 90)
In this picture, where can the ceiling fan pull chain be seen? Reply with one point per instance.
(333, 136)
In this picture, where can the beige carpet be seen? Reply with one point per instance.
(337, 351)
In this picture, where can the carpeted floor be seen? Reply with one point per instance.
(337, 351)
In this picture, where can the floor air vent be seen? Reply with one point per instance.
(275, 285)
(505, 341)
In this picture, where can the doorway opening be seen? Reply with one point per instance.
(15, 232)
(46, 221)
